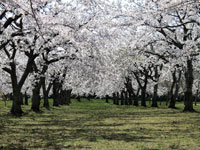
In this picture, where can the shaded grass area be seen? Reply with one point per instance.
(97, 125)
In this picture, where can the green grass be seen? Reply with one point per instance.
(96, 125)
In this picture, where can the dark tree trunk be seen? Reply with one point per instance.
(62, 97)
(122, 98)
(65, 96)
(107, 101)
(22, 101)
(130, 98)
(46, 93)
(143, 87)
(174, 95)
(36, 98)
(89, 97)
(46, 100)
(55, 101)
(129, 90)
(117, 98)
(16, 105)
(143, 97)
(172, 100)
(78, 99)
(126, 97)
(188, 102)
(143, 91)
(68, 96)
(56, 94)
(135, 102)
(154, 100)
(36, 91)
(114, 98)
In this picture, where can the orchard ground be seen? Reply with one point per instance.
(96, 125)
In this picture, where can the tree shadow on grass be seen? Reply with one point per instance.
(126, 137)
(53, 129)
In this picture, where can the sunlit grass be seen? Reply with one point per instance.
(97, 125)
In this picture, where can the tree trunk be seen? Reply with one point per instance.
(129, 88)
(122, 98)
(107, 101)
(46, 93)
(78, 99)
(130, 98)
(62, 97)
(117, 99)
(55, 101)
(188, 102)
(69, 92)
(114, 98)
(143, 97)
(172, 100)
(65, 96)
(135, 102)
(89, 97)
(126, 97)
(36, 98)
(154, 100)
(16, 105)
(46, 100)
(22, 101)
(56, 95)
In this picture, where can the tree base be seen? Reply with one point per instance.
(37, 110)
(172, 107)
(144, 105)
(16, 111)
(135, 104)
(189, 110)
(154, 105)
(47, 107)
(18, 114)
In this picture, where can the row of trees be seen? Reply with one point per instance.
(163, 56)
(86, 47)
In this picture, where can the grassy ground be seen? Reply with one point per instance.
(96, 125)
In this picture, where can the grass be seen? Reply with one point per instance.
(97, 125)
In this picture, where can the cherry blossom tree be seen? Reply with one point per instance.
(177, 28)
